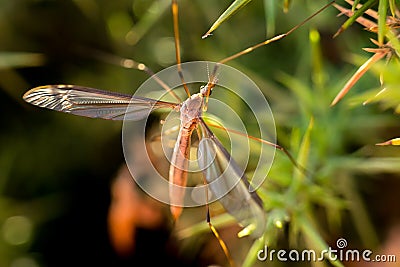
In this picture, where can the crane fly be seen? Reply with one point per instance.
(240, 200)
(95, 103)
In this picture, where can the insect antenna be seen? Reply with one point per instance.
(212, 82)
(174, 7)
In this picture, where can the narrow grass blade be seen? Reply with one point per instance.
(235, 6)
(353, 8)
(391, 142)
(382, 11)
(392, 5)
(353, 18)
(147, 21)
(313, 238)
(368, 24)
(304, 151)
(252, 254)
(286, 4)
(269, 11)
(359, 73)
(302, 160)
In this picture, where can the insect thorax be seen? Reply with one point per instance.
(192, 108)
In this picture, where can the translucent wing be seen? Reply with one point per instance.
(225, 179)
(94, 103)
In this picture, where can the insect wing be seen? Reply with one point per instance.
(94, 103)
(225, 179)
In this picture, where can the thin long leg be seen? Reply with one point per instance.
(281, 148)
(177, 44)
(221, 242)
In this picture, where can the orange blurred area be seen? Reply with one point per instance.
(131, 209)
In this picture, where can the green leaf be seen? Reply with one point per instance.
(286, 4)
(382, 11)
(269, 11)
(304, 151)
(354, 6)
(252, 254)
(302, 160)
(394, 41)
(313, 237)
(235, 6)
(300, 89)
(374, 165)
(318, 74)
(147, 21)
(392, 5)
(356, 14)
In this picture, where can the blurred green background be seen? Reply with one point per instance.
(56, 170)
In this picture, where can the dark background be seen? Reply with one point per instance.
(56, 170)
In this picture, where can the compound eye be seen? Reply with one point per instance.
(203, 89)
